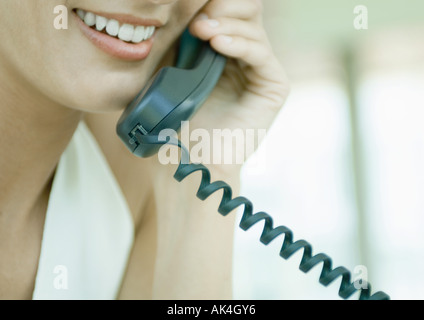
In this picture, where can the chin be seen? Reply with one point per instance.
(106, 106)
(111, 94)
(101, 102)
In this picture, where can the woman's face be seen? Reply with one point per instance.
(83, 68)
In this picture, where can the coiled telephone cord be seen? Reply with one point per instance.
(269, 233)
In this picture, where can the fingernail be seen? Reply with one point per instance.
(213, 23)
(202, 16)
(227, 39)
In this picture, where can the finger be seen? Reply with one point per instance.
(239, 9)
(257, 55)
(265, 76)
(209, 28)
(252, 52)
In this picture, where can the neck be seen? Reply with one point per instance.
(34, 132)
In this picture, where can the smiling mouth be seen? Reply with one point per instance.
(124, 31)
(122, 36)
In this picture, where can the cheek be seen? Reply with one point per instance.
(65, 67)
(186, 10)
(20, 28)
(30, 45)
(61, 64)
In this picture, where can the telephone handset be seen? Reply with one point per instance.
(174, 95)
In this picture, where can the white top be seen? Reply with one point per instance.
(89, 232)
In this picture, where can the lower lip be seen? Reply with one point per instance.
(116, 47)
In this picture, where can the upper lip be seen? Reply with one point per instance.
(127, 18)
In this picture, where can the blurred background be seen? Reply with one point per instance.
(345, 157)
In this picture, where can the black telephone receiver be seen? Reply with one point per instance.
(173, 95)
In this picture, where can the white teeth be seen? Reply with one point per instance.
(112, 28)
(150, 32)
(81, 14)
(139, 34)
(101, 23)
(126, 32)
(147, 32)
(90, 19)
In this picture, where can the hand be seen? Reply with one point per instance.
(254, 86)
(194, 250)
